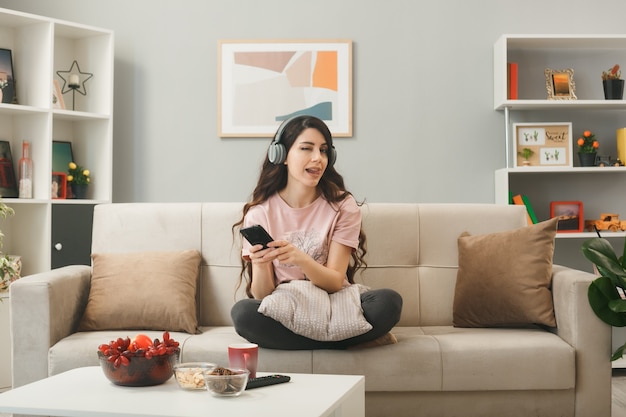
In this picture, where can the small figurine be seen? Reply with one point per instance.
(608, 221)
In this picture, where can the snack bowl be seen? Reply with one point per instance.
(226, 382)
(191, 375)
(140, 371)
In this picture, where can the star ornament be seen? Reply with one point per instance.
(74, 79)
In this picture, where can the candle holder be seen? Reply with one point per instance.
(74, 80)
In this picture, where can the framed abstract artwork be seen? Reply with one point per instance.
(262, 83)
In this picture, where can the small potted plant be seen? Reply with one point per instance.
(10, 265)
(587, 149)
(526, 153)
(79, 179)
(612, 83)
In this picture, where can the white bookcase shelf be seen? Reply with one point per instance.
(600, 189)
(40, 47)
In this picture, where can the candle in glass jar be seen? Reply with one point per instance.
(74, 80)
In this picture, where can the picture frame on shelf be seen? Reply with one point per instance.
(7, 81)
(550, 145)
(560, 84)
(570, 214)
(58, 189)
(57, 97)
(261, 83)
(62, 155)
(8, 182)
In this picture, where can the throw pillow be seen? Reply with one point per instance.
(143, 290)
(310, 311)
(504, 278)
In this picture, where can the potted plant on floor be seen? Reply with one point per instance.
(606, 293)
(10, 265)
(612, 83)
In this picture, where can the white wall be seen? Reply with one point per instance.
(424, 125)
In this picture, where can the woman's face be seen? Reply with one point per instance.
(307, 158)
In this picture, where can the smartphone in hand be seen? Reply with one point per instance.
(256, 235)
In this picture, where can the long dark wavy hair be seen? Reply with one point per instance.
(273, 178)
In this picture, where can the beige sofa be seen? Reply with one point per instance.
(435, 369)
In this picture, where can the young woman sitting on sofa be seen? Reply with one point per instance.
(301, 200)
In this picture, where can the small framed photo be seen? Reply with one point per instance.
(570, 214)
(8, 184)
(62, 155)
(59, 185)
(560, 84)
(57, 97)
(543, 145)
(7, 82)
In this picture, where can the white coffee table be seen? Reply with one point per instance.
(86, 392)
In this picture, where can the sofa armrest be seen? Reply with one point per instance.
(578, 325)
(45, 308)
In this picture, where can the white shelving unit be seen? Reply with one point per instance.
(40, 47)
(600, 189)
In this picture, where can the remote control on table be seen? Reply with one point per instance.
(263, 381)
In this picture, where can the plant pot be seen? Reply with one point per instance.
(587, 159)
(613, 89)
(7, 276)
(79, 190)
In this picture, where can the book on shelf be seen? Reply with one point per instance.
(512, 81)
(522, 200)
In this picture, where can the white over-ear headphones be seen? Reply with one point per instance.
(277, 153)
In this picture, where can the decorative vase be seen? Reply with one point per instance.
(613, 89)
(587, 159)
(79, 190)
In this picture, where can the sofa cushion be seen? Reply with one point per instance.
(504, 278)
(143, 290)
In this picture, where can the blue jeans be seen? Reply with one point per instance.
(381, 309)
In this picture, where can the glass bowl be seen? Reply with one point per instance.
(191, 375)
(140, 372)
(226, 382)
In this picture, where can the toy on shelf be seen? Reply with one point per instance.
(608, 161)
(608, 221)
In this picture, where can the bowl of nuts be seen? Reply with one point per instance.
(227, 382)
(191, 375)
